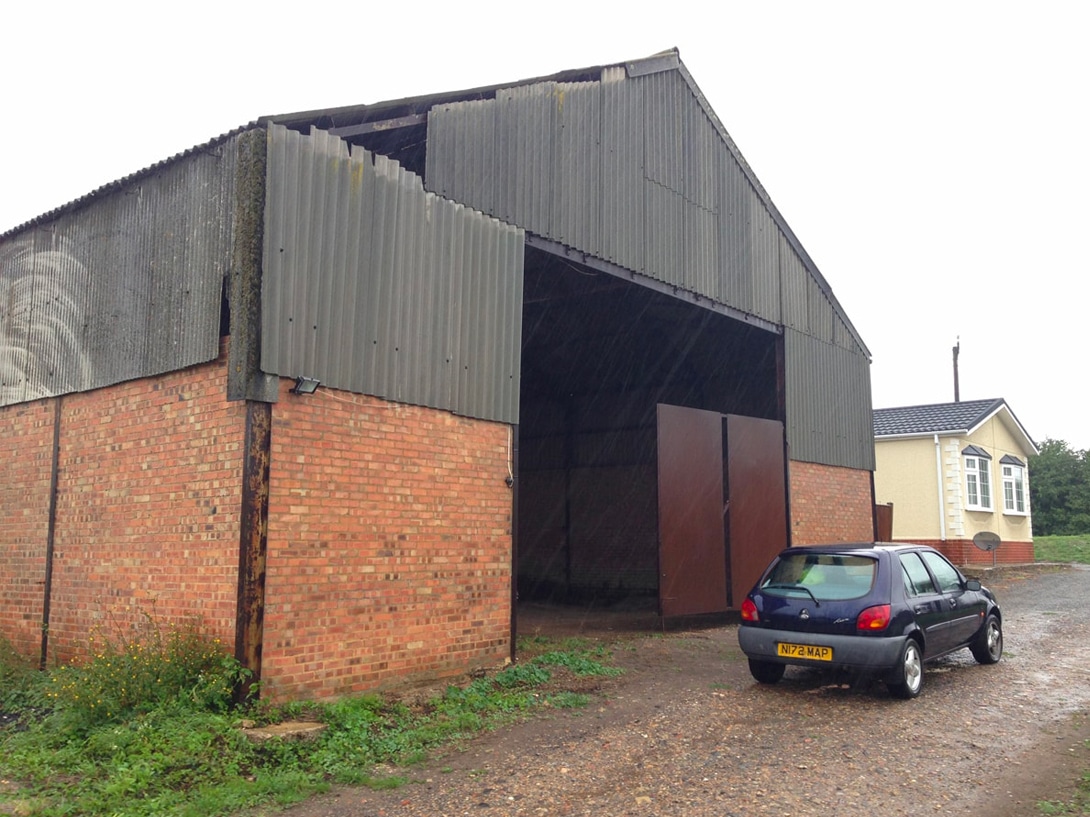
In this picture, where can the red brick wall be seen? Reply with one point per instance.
(830, 504)
(964, 552)
(26, 449)
(389, 536)
(148, 499)
(389, 545)
(148, 506)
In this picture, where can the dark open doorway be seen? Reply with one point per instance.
(599, 355)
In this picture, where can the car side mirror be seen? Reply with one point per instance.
(972, 584)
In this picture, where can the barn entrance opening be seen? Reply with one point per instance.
(600, 356)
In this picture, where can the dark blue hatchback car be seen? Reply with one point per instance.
(873, 609)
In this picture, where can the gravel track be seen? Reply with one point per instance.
(686, 731)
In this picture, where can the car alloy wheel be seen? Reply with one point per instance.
(908, 677)
(988, 646)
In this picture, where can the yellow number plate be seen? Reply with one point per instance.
(785, 650)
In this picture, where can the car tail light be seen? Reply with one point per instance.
(749, 611)
(873, 618)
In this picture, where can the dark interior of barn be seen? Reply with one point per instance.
(599, 353)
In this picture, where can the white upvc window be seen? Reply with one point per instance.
(978, 483)
(1014, 487)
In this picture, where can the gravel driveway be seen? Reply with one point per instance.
(686, 731)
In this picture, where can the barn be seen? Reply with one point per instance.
(354, 385)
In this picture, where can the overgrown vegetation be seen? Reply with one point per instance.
(1059, 489)
(147, 727)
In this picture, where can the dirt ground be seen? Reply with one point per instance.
(686, 731)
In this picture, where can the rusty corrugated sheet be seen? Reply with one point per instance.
(373, 285)
(128, 284)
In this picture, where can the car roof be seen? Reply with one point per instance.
(857, 547)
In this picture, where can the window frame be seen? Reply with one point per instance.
(978, 482)
(1016, 482)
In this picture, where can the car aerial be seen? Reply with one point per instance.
(873, 610)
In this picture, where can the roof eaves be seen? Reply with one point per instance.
(378, 110)
(911, 435)
(997, 407)
(987, 413)
(1022, 430)
(110, 187)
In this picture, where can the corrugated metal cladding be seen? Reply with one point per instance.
(829, 416)
(128, 286)
(633, 171)
(636, 169)
(374, 286)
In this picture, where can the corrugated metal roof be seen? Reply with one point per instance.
(128, 288)
(636, 170)
(597, 155)
(642, 155)
(105, 190)
(373, 285)
(625, 162)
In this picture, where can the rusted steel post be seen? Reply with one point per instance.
(51, 532)
(253, 542)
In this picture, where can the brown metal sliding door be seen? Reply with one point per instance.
(758, 499)
(692, 549)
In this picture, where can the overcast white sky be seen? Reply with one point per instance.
(932, 157)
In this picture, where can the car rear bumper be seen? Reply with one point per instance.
(857, 652)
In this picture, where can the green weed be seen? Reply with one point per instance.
(1078, 805)
(147, 727)
(21, 684)
(568, 700)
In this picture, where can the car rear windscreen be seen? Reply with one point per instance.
(823, 576)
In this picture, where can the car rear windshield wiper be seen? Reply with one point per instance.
(803, 588)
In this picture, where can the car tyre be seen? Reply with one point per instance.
(766, 672)
(907, 678)
(987, 647)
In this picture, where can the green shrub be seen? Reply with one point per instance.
(177, 666)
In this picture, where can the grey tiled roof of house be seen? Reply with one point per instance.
(934, 418)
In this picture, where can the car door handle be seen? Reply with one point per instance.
(921, 609)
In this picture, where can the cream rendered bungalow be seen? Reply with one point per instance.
(956, 477)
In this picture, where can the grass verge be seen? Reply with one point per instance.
(148, 728)
(1067, 549)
